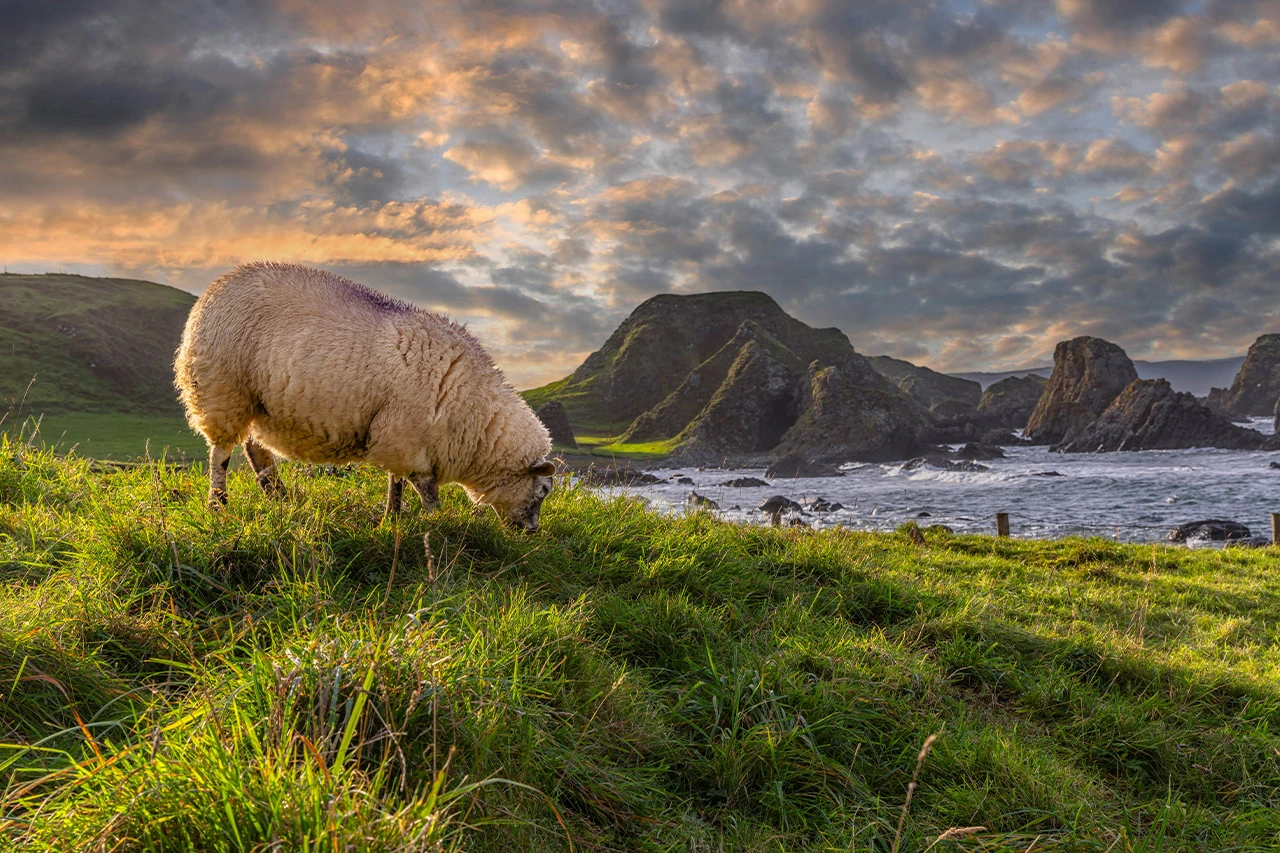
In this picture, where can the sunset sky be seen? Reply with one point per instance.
(961, 184)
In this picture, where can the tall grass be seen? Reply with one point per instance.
(294, 675)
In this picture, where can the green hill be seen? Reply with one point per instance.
(93, 358)
(295, 676)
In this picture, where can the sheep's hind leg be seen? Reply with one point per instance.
(264, 466)
(219, 461)
(395, 496)
(427, 488)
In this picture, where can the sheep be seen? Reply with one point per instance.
(304, 364)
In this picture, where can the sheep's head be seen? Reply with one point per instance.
(518, 498)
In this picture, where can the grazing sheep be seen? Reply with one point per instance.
(307, 365)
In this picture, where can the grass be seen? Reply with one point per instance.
(112, 435)
(293, 675)
(605, 447)
(72, 343)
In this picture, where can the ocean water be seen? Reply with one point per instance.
(1132, 497)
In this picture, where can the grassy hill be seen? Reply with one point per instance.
(93, 357)
(295, 676)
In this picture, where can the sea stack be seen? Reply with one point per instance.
(1256, 388)
(1010, 402)
(1088, 373)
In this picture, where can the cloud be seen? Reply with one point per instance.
(964, 185)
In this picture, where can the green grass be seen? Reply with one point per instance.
(111, 435)
(294, 675)
(605, 447)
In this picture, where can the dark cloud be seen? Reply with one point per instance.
(962, 186)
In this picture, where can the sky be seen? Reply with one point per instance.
(961, 184)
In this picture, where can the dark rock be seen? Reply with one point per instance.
(1150, 415)
(823, 505)
(924, 515)
(701, 501)
(779, 503)
(744, 483)
(973, 451)
(1275, 465)
(1209, 530)
(1046, 474)
(795, 466)
(1256, 389)
(936, 461)
(753, 407)
(1251, 542)
(944, 397)
(1010, 402)
(684, 481)
(1088, 373)
(556, 420)
(618, 477)
(842, 421)
(1001, 438)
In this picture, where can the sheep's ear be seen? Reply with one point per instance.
(542, 469)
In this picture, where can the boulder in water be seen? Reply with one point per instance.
(974, 451)
(744, 483)
(794, 466)
(779, 503)
(618, 477)
(822, 505)
(1209, 530)
(701, 501)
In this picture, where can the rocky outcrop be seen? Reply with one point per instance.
(796, 466)
(1088, 373)
(556, 420)
(751, 410)
(841, 421)
(669, 337)
(1256, 389)
(1009, 403)
(683, 406)
(936, 392)
(1150, 415)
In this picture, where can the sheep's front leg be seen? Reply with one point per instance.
(427, 488)
(219, 461)
(395, 496)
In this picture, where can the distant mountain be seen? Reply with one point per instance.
(1194, 377)
(71, 343)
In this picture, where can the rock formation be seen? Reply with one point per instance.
(556, 420)
(751, 410)
(669, 337)
(841, 421)
(1088, 373)
(1256, 389)
(1009, 403)
(940, 394)
(1150, 415)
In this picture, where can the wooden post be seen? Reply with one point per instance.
(1275, 528)
(1002, 524)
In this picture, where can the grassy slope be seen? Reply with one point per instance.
(176, 679)
(93, 357)
(72, 343)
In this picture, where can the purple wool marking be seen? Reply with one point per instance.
(376, 300)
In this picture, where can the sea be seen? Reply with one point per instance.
(1126, 496)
